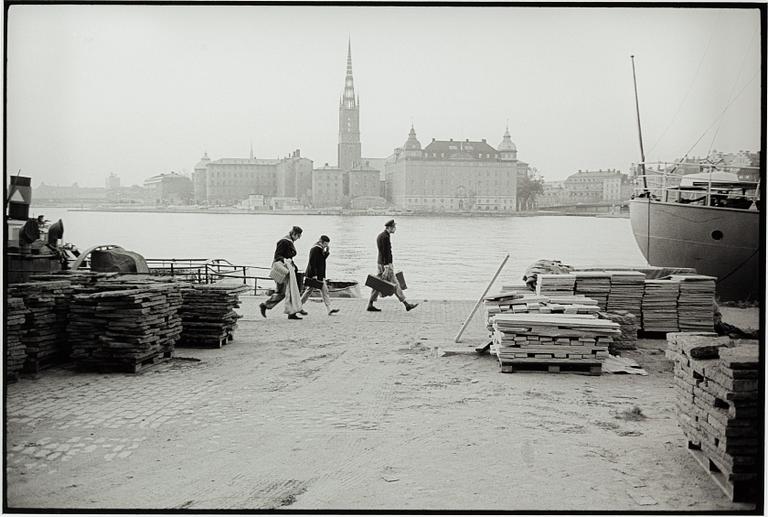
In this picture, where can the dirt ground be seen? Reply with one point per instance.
(359, 412)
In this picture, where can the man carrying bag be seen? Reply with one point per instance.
(315, 274)
(386, 269)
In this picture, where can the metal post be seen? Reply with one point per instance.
(458, 336)
(245, 281)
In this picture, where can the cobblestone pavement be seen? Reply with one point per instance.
(354, 411)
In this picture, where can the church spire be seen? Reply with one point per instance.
(251, 150)
(348, 100)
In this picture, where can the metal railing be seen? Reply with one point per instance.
(209, 271)
(664, 184)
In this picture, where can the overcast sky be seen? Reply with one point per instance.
(141, 90)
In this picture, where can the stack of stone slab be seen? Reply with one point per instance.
(628, 324)
(552, 342)
(554, 284)
(659, 307)
(44, 333)
(124, 326)
(696, 303)
(719, 407)
(527, 303)
(208, 316)
(626, 291)
(15, 350)
(595, 285)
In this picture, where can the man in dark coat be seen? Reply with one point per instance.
(318, 254)
(386, 269)
(283, 251)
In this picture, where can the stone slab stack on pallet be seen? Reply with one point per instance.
(719, 407)
(208, 316)
(44, 334)
(595, 285)
(696, 302)
(528, 303)
(552, 342)
(15, 350)
(626, 291)
(628, 324)
(126, 328)
(554, 284)
(659, 307)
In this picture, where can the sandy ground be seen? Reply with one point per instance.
(356, 411)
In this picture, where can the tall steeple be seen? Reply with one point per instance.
(349, 120)
(251, 150)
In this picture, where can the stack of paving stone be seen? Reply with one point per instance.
(570, 304)
(628, 324)
(208, 316)
(554, 284)
(595, 285)
(552, 342)
(696, 303)
(44, 334)
(15, 350)
(719, 407)
(124, 325)
(626, 291)
(659, 307)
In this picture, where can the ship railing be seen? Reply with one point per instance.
(209, 271)
(662, 182)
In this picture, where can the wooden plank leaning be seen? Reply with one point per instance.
(461, 331)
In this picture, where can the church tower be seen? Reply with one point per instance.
(349, 121)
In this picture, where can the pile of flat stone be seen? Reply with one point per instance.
(15, 350)
(552, 342)
(696, 303)
(659, 307)
(628, 325)
(44, 332)
(124, 325)
(554, 284)
(595, 285)
(526, 302)
(719, 408)
(208, 314)
(626, 291)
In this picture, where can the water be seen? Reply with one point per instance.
(442, 257)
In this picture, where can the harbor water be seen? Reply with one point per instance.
(443, 258)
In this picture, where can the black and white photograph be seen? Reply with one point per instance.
(384, 257)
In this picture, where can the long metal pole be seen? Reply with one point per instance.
(458, 336)
(639, 130)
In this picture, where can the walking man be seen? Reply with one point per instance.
(386, 269)
(316, 270)
(284, 252)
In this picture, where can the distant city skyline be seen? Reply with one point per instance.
(142, 90)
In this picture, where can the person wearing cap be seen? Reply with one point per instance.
(284, 252)
(318, 254)
(386, 269)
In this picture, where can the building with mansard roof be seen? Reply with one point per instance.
(454, 175)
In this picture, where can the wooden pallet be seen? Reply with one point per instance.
(139, 366)
(743, 492)
(584, 366)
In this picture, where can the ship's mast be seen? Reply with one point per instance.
(639, 130)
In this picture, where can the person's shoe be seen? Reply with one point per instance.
(371, 308)
(294, 317)
(302, 312)
(333, 311)
(410, 306)
(263, 309)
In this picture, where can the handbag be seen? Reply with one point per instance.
(278, 272)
